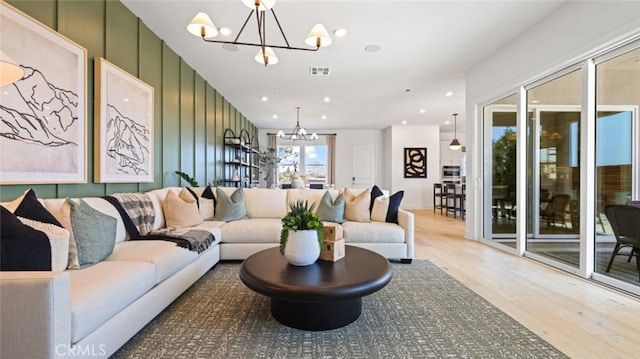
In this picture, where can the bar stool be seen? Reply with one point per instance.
(438, 197)
(451, 198)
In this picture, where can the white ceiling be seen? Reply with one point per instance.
(426, 48)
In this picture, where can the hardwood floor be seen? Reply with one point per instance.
(579, 317)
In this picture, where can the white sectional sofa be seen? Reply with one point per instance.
(91, 312)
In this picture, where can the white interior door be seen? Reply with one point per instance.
(364, 166)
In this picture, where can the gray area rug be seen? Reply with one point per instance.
(422, 313)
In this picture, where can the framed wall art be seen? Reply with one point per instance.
(43, 127)
(124, 126)
(415, 162)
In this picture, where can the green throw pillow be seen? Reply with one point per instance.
(93, 231)
(331, 211)
(230, 208)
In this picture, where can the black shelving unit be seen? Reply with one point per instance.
(241, 158)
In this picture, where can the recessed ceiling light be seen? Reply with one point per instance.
(274, 116)
(449, 93)
(340, 32)
(404, 122)
(447, 122)
(225, 31)
(126, 99)
(326, 99)
(372, 48)
(264, 98)
(324, 117)
(422, 110)
(534, 101)
(229, 47)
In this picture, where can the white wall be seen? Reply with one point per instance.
(389, 146)
(572, 32)
(418, 192)
(345, 140)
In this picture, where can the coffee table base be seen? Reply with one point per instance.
(316, 315)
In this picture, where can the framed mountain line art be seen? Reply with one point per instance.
(43, 113)
(124, 126)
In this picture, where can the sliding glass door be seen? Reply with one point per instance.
(553, 181)
(500, 141)
(577, 133)
(616, 160)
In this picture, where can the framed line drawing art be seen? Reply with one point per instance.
(415, 162)
(43, 114)
(124, 126)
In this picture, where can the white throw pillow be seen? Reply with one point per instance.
(380, 208)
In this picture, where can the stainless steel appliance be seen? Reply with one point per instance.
(451, 174)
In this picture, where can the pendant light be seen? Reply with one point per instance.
(455, 144)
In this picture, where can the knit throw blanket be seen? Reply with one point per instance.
(196, 240)
(138, 216)
(138, 208)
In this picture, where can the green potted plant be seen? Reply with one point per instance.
(190, 180)
(301, 234)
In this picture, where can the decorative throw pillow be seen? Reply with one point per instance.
(13, 205)
(63, 215)
(195, 196)
(356, 208)
(375, 193)
(180, 210)
(207, 204)
(29, 207)
(58, 241)
(230, 208)
(94, 232)
(329, 211)
(385, 208)
(22, 248)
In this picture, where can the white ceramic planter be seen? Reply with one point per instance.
(302, 247)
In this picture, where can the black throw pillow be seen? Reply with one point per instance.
(208, 194)
(22, 248)
(31, 208)
(194, 196)
(375, 193)
(394, 206)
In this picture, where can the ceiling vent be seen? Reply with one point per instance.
(319, 71)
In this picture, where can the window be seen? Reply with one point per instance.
(309, 160)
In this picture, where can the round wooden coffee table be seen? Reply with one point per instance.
(321, 296)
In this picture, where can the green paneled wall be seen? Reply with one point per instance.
(190, 115)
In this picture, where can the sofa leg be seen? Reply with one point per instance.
(406, 260)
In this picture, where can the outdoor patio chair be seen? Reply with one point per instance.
(625, 221)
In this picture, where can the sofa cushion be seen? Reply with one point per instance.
(374, 232)
(331, 211)
(230, 208)
(22, 248)
(254, 230)
(102, 290)
(181, 210)
(166, 256)
(356, 206)
(265, 202)
(94, 232)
